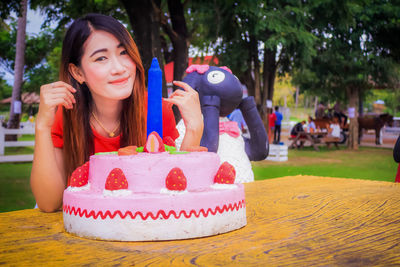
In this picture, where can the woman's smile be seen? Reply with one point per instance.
(120, 81)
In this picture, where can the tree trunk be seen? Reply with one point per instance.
(256, 71)
(16, 105)
(268, 81)
(145, 22)
(360, 104)
(352, 93)
(248, 80)
(179, 38)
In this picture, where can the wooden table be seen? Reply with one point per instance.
(313, 138)
(295, 221)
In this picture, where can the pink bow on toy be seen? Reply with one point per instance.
(229, 127)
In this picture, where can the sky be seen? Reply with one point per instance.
(34, 22)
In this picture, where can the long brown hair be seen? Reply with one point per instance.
(77, 133)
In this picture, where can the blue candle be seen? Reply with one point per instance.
(154, 102)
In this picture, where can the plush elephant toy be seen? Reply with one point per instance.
(220, 93)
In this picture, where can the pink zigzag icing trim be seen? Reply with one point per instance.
(77, 211)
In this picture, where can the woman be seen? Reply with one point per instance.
(98, 105)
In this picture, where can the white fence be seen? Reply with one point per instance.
(278, 153)
(28, 128)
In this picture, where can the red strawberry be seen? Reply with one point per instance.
(116, 180)
(176, 180)
(128, 150)
(226, 174)
(80, 176)
(154, 143)
(169, 141)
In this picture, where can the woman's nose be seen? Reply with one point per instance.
(117, 66)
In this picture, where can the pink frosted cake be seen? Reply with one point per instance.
(153, 196)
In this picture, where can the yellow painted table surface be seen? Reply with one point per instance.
(300, 220)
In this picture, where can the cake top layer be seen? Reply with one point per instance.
(147, 172)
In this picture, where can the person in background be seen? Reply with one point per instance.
(339, 113)
(237, 116)
(320, 111)
(311, 125)
(271, 120)
(297, 129)
(278, 126)
(333, 132)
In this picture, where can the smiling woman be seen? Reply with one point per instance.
(97, 106)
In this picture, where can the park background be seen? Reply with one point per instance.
(293, 53)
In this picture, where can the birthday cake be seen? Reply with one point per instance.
(141, 196)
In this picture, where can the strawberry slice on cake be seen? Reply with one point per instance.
(80, 176)
(154, 143)
(116, 183)
(226, 174)
(176, 180)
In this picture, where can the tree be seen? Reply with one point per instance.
(15, 107)
(257, 40)
(350, 60)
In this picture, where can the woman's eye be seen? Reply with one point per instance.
(100, 58)
(124, 52)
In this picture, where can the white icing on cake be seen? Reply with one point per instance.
(116, 193)
(172, 192)
(223, 186)
(77, 189)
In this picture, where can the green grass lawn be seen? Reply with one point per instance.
(366, 163)
(15, 190)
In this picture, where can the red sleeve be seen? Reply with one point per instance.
(57, 129)
(169, 124)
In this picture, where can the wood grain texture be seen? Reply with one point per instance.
(300, 220)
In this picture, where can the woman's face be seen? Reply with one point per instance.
(106, 68)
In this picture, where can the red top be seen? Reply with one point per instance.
(107, 144)
(272, 119)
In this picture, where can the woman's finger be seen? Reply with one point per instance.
(178, 93)
(62, 90)
(64, 96)
(183, 85)
(63, 84)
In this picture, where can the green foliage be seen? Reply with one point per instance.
(8, 6)
(389, 96)
(64, 12)
(272, 24)
(349, 55)
(38, 48)
(284, 91)
(5, 89)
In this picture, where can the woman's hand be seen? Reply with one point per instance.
(188, 103)
(51, 96)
